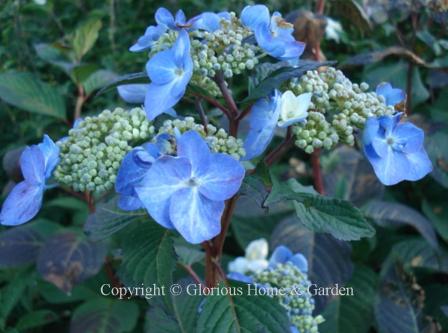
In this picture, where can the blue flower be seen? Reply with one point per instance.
(282, 255)
(37, 163)
(262, 119)
(393, 96)
(207, 21)
(169, 71)
(273, 34)
(133, 168)
(133, 93)
(187, 192)
(395, 149)
(268, 113)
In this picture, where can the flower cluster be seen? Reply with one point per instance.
(196, 50)
(218, 140)
(285, 271)
(341, 107)
(95, 147)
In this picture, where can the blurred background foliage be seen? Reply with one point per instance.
(56, 55)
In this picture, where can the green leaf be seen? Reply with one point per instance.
(352, 314)
(98, 80)
(188, 254)
(54, 56)
(232, 314)
(322, 214)
(392, 215)
(415, 253)
(328, 258)
(438, 154)
(437, 212)
(148, 255)
(104, 316)
(11, 294)
(132, 78)
(85, 37)
(398, 303)
(276, 77)
(27, 92)
(67, 259)
(35, 319)
(181, 318)
(348, 176)
(108, 219)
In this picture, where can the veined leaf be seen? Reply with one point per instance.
(85, 37)
(322, 214)
(232, 314)
(104, 316)
(392, 215)
(67, 259)
(27, 92)
(148, 255)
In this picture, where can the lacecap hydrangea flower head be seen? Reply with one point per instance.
(285, 270)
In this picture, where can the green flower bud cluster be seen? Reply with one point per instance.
(224, 50)
(316, 132)
(295, 297)
(218, 139)
(343, 107)
(92, 153)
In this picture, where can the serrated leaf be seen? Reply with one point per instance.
(85, 37)
(104, 316)
(234, 314)
(328, 258)
(320, 213)
(67, 259)
(352, 313)
(98, 80)
(275, 78)
(392, 215)
(181, 318)
(108, 219)
(25, 91)
(148, 255)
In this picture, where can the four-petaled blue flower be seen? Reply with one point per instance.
(169, 71)
(392, 96)
(395, 149)
(187, 192)
(37, 163)
(268, 113)
(273, 34)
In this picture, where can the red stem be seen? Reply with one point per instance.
(282, 148)
(317, 174)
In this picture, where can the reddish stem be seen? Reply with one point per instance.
(282, 148)
(317, 174)
(192, 273)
